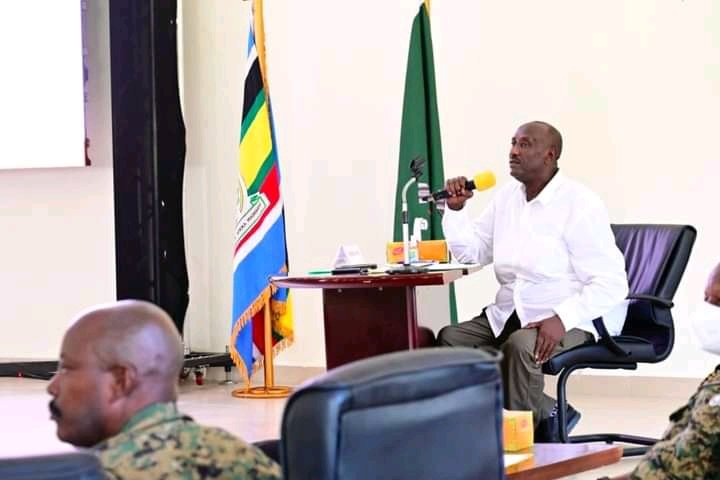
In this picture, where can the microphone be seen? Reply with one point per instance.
(481, 181)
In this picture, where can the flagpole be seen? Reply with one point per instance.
(269, 390)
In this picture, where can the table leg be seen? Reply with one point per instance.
(363, 322)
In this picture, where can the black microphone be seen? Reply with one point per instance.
(481, 181)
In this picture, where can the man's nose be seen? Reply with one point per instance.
(52, 386)
(514, 150)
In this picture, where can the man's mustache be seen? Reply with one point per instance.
(54, 410)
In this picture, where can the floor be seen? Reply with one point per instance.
(27, 430)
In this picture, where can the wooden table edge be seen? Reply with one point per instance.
(368, 281)
(569, 466)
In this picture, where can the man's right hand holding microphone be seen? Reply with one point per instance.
(458, 193)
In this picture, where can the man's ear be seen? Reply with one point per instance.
(124, 380)
(550, 155)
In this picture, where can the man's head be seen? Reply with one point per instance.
(536, 147)
(114, 361)
(712, 289)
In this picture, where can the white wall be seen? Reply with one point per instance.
(58, 241)
(633, 86)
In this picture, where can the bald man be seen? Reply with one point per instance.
(115, 392)
(555, 258)
(690, 447)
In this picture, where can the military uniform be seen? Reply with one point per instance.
(161, 443)
(690, 448)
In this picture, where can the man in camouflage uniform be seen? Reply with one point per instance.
(115, 392)
(690, 448)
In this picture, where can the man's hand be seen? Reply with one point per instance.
(550, 332)
(458, 193)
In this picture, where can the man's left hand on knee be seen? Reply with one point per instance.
(549, 333)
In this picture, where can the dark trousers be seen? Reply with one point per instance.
(523, 380)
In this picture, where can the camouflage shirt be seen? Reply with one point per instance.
(690, 447)
(161, 443)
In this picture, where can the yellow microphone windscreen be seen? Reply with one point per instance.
(484, 180)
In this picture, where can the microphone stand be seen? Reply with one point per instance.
(405, 223)
(416, 167)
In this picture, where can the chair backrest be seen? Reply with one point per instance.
(67, 466)
(423, 414)
(655, 260)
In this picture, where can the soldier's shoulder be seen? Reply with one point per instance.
(648, 469)
(713, 378)
(188, 450)
(706, 410)
(228, 452)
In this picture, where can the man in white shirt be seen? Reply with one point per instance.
(555, 258)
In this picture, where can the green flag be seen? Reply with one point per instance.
(420, 136)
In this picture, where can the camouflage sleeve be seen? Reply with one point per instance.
(252, 464)
(693, 452)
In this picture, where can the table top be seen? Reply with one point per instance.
(368, 280)
(555, 460)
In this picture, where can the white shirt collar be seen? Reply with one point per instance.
(548, 192)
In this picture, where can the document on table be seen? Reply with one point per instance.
(441, 267)
(515, 458)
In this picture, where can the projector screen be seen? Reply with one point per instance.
(42, 108)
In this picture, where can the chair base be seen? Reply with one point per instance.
(646, 442)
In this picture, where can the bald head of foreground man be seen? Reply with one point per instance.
(116, 389)
(115, 360)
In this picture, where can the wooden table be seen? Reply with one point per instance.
(555, 460)
(370, 314)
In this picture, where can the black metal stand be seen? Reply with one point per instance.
(597, 437)
(149, 161)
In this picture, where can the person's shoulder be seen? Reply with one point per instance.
(709, 390)
(213, 438)
(580, 194)
(187, 449)
(508, 188)
(705, 406)
(229, 452)
(577, 187)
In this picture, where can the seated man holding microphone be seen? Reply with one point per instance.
(555, 258)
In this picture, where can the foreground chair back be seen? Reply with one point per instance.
(423, 415)
(68, 466)
(655, 260)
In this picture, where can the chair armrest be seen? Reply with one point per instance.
(607, 340)
(652, 299)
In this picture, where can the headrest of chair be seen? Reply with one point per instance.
(66, 466)
(655, 256)
(411, 414)
(408, 375)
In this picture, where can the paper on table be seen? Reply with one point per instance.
(440, 267)
(515, 458)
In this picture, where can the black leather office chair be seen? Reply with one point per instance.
(67, 466)
(655, 260)
(421, 415)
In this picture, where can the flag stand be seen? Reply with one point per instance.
(269, 390)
